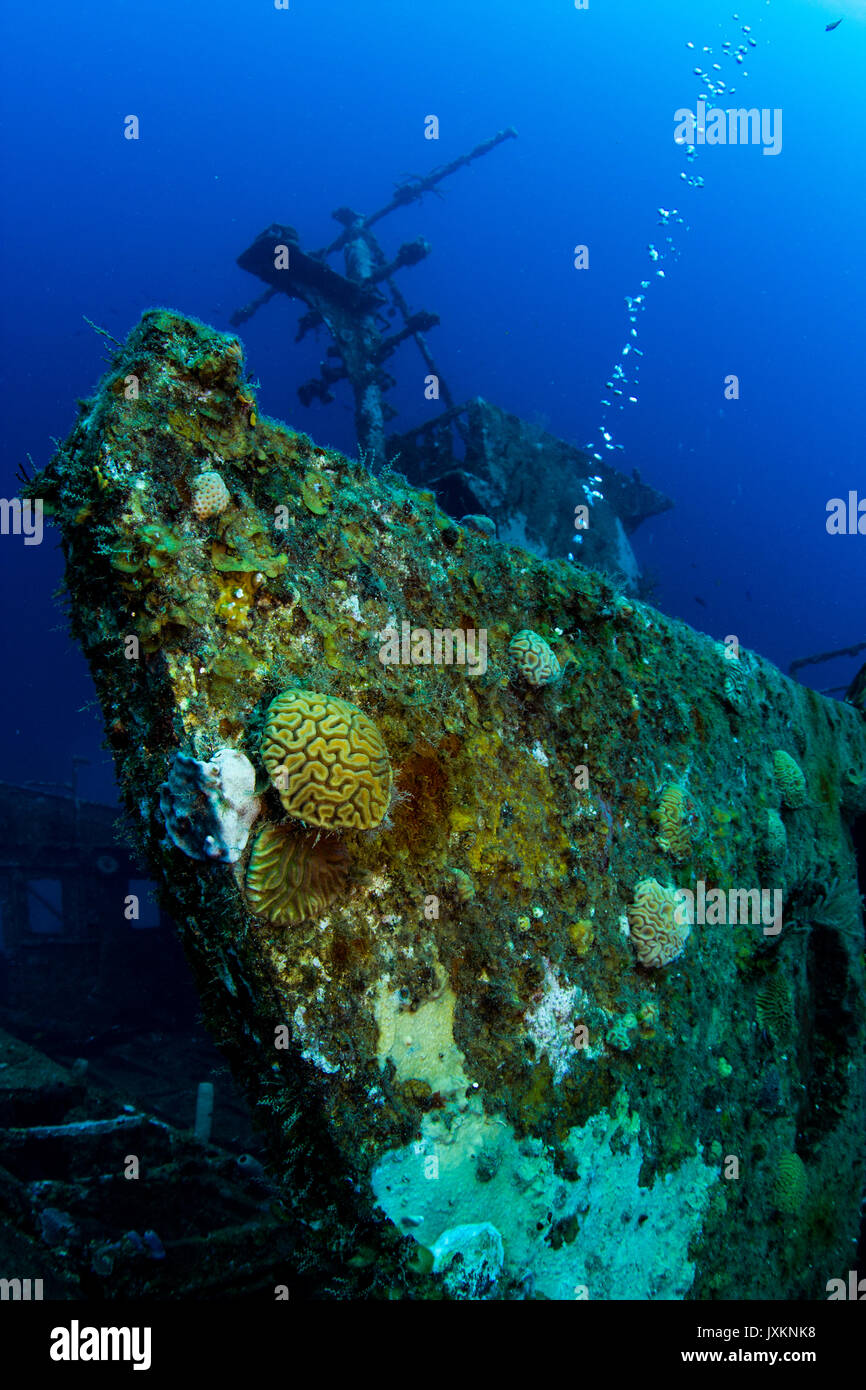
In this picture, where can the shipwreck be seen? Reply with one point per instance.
(433, 914)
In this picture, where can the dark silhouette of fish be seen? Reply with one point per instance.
(701, 601)
(834, 25)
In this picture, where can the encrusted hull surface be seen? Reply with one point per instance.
(474, 1085)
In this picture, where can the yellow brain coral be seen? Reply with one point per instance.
(657, 933)
(210, 496)
(327, 760)
(674, 835)
(292, 876)
(789, 779)
(534, 659)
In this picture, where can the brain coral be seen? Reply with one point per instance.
(736, 679)
(674, 833)
(789, 1187)
(789, 779)
(774, 1005)
(210, 496)
(534, 659)
(656, 934)
(292, 876)
(463, 885)
(776, 837)
(327, 760)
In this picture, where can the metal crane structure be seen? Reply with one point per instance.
(486, 465)
(353, 305)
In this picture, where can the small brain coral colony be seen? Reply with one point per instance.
(776, 838)
(790, 1184)
(292, 876)
(774, 1005)
(736, 680)
(674, 835)
(210, 496)
(789, 779)
(327, 760)
(534, 659)
(657, 934)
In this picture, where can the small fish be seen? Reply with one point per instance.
(834, 25)
(701, 601)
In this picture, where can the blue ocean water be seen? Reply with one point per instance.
(251, 114)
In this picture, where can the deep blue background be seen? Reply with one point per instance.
(250, 115)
